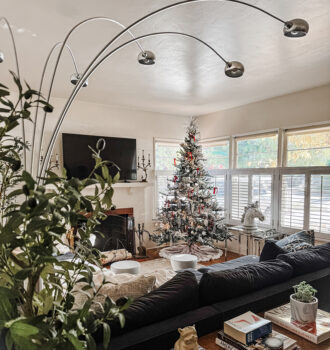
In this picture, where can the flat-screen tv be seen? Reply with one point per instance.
(78, 161)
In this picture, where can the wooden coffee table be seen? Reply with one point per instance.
(208, 341)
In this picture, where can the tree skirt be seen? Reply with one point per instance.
(203, 253)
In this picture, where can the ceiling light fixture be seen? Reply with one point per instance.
(147, 58)
(234, 69)
(296, 28)
(2, 57)
(75, 77)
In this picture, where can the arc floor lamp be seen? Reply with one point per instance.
(292, 28)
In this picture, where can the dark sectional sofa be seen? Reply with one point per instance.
(213, 294)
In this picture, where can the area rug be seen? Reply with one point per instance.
(157, 264)
(160, 268)
(203, 253)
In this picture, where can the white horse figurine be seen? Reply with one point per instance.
(251, 212)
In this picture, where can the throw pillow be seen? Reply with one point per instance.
(228, 284)
(310, 260)
(117, 286)
(270, 251)
(299, 240)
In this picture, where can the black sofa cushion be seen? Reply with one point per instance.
(308, 260)
(176, 296)
(270, 251)
(222, 285)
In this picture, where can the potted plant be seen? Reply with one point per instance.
(36, 289)
(303, 303)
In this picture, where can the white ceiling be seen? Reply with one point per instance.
(187, 79)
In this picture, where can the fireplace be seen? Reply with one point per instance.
(117, 231)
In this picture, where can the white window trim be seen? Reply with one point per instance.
(291, 130)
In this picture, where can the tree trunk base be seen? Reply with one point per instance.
(203, 253)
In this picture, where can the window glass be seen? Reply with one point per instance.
(216, 156)
(257, 152)
(308, 147)
(166, 155)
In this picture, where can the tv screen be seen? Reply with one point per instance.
(78, 161)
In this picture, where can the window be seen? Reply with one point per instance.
(319, 213)
(239, 195)
(218, 183)
(308, 147)
(216, 155)
(292, 201)
(166, 154)
(256, 151)
(262, 191)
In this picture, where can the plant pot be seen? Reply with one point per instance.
(303, 312)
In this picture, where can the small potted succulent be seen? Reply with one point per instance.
(303, 303)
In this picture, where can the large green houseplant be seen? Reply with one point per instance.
(36, 299)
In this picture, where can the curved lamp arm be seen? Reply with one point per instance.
(19, 77)
(81, 82)
(116, 37)
(40, 88)
(63, 44)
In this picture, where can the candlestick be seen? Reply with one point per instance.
(144, 166)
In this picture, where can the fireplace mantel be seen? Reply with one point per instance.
(120, 211)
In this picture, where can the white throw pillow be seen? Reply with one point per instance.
(121, 285)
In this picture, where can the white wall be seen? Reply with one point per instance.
(304, 107)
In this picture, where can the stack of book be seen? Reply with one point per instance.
(315, 332)
(248, 332)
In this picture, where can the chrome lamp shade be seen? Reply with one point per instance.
(295, 28)
(234, 69)
(75, 79)
(147, 58)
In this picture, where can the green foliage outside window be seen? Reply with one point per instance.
(258, 152)
(217, 157)
(309, 149)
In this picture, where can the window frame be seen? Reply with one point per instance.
(158, 173)
(255, 135)
(296, 130)
(250, 172)
(308, 172)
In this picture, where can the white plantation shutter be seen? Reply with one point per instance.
(292, 200)
(161, 184)
(239, 195)
(262, 191)
(219, 182)
(319, 215)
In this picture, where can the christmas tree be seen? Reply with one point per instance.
(190, 212)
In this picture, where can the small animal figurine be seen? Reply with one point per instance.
(188, 339)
